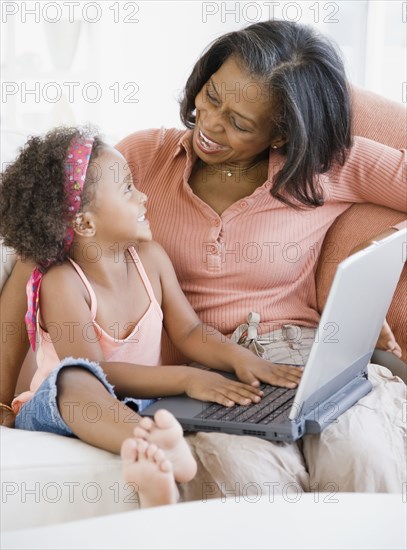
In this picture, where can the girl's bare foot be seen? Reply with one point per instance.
(146, 466)
(166, 432)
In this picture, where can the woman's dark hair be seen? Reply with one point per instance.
(305, 77)
(34, 212)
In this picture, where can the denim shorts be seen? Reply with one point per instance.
(41, 413)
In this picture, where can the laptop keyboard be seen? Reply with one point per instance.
(275, 401)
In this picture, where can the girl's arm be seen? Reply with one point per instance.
(206, 345)
(14, 341)
(148, 382)
(67, 318)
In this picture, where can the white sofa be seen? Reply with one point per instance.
(47, 478)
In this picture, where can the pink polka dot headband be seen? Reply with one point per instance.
(76, 166)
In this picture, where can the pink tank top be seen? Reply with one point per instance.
(142, 346)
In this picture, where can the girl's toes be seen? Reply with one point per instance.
(164, 419)
(166, 466)
(128, 450)
(146, 423)
(159, 456)
(152, 449)
(142, 447)
(140, 433)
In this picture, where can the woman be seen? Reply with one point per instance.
(241, 204)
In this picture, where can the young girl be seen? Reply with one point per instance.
(68, 203)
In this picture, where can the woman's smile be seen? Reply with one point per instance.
(207, 145)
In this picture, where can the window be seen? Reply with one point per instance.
(122, 65)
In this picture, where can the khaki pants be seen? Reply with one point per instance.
(364, 450)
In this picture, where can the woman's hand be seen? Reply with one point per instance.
(7, 418)
(210, 386)
(256, 370)
(387, 341)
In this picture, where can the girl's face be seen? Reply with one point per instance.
(118, 209)
(233, 118)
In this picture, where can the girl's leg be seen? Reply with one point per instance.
(76, 399)
(95, 415)
(105, 422)
(92, 413)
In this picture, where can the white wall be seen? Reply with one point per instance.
(122, 65)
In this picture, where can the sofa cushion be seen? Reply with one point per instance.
(359, 223)
(47, 478)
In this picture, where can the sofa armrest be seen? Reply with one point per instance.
(359, 223)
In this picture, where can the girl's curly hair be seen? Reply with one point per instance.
(33, 202)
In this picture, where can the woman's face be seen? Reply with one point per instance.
(233, 117)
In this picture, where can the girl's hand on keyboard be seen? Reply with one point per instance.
(209, 386)
(258, 370)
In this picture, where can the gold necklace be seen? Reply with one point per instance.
(229, 172)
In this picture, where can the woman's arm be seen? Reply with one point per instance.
(14, 340)
(372, 173)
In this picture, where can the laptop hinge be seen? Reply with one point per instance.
(356, 371)
(328, 411)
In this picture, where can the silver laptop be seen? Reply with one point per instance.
(335, 375)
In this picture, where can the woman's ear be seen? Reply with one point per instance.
(84, 224)
(278, 142)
